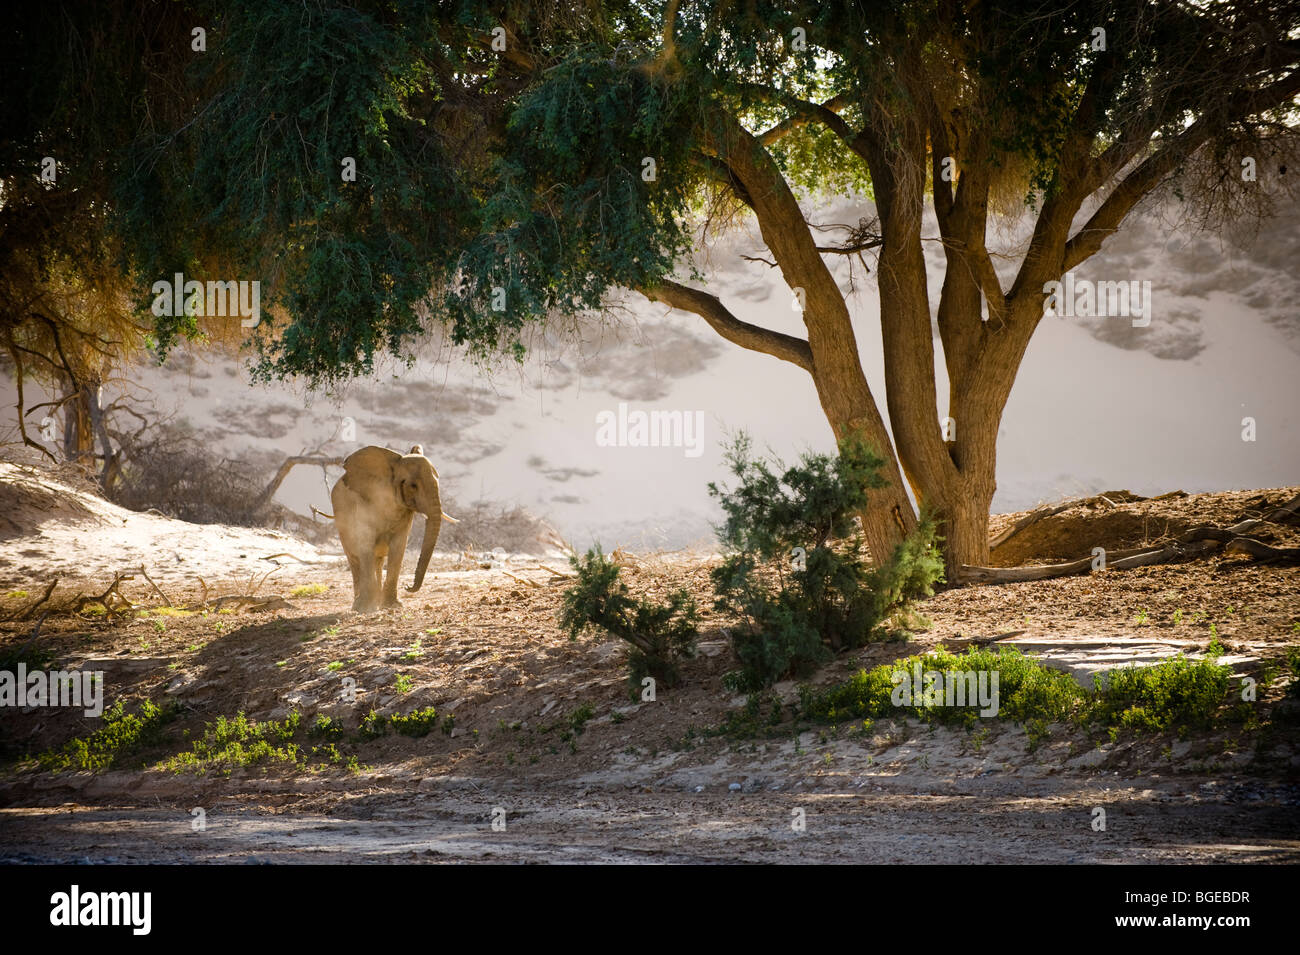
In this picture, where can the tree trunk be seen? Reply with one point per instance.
(112, 459)
(78, 435)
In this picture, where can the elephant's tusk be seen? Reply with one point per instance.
(449, 519)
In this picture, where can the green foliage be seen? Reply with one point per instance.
(1177, 694)
(327, 727)
(579, 717)
(796, 573)
(1180, 692)
(572, 215)
(240, 742)
(295, 88)
(417, 723)
(1026, 690)
(372, 726)
(121, 735)
(660, 636)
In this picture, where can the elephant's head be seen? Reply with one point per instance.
(416, 482)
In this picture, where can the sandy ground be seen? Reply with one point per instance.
(638, 780)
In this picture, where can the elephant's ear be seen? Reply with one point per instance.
(407, 489)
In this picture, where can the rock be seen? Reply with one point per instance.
(734, 787)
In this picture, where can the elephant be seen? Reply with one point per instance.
(374, 504)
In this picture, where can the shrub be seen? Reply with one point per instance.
(661, 636)
(417, 723)
(122, 734)
(796, 572)
(1169, 695)
(1179, 692)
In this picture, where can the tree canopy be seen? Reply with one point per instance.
(521, 161)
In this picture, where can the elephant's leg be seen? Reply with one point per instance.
(354, 565)
(396, 551)
(367, 591)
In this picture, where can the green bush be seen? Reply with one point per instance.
(241, 742)
(1171, 695)
(417, 723)
(660, 636)
(122, 734)
(1177, 693)
(796, 572)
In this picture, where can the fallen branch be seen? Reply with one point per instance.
(1261, 551)
(167, 601)
(102, 599)
(1126, 560)
(245, 601)
(522, 580)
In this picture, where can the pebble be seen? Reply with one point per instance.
(734, 787)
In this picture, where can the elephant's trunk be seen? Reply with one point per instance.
(432, 511)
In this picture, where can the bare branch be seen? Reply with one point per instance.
(710, 308)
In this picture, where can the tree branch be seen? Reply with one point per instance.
(710, 308)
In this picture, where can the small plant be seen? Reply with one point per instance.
(661, 636)
(796, 572)
(449, 723)
(579, 717)
(414, 653)
(1178, 617)
(326, 727)
(417, 723)
(372, 726)
(309, 590)
(405, 683)
(334, 666)
(1141, 617)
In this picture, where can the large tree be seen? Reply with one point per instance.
(501, 155)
